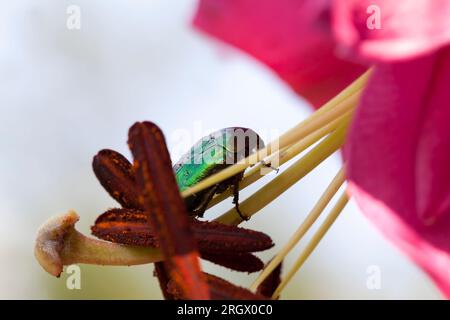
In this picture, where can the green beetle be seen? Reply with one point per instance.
(210, 155)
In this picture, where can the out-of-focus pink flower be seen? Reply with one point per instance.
(398, 158)
(398, 148)
(406, 28)
(292, 37)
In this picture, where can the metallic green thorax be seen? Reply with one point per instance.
(211, 154)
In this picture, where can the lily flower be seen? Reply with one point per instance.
(397, 151)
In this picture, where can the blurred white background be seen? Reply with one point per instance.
(65, 94)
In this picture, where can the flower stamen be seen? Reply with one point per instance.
(315, 240)
(314, 214)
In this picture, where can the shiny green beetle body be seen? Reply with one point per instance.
(210, 155)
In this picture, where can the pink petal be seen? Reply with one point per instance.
(291, 36)
(398, 159)
(408, 28)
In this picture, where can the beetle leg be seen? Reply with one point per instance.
(236, 199)
(269, 165)
(201, 208)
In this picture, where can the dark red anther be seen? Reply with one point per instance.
(220, 290)
(132, 227)
(163, 278)
(218, 237)
(271, 283)
(244, 262)
(160, 197)
(116, 175)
